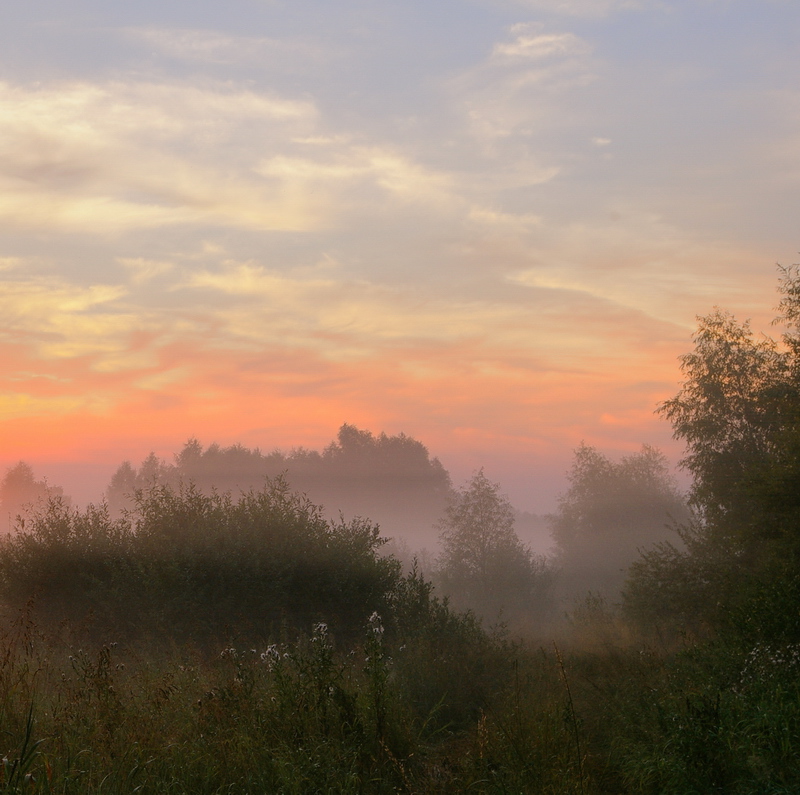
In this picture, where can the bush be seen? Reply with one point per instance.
(187, 563)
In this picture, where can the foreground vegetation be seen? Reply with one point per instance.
(198, 643)
(131, 663)
(447, 710)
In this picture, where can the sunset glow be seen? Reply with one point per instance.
(488, 224)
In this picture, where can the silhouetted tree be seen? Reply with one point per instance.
(21, 492)
(730, 411)
(483, 565)
(610, 511)
(738, 410)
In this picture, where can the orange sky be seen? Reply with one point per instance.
(489, 225)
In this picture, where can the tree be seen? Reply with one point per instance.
(610, 511)
(730, 412)
(20, 492)
(395, 460)
(483, 564)
(121, 489)
(738, 411)
(127, 480)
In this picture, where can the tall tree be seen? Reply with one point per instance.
(738, 411)
(730, 412)
(483, 565)
(610, 511)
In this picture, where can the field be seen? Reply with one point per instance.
(408, 697)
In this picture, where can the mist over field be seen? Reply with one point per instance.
(396, 397)
(394, 483)
(246, 590)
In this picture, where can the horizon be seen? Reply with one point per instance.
(488, 224)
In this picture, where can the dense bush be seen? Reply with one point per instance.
(199, 565)
(738, 411)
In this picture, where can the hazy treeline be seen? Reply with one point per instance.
(21, 492)
(467, 540)
(263, 646)
(391, 478)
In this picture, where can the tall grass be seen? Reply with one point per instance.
(309, 715)
(124, 674)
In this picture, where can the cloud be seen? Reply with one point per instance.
(526, 85)
(531, 44)
(587, 8)
(106, 159)
(16, 405)
(335, 170)
(504, 222)
(640, 262)
(342, 319)
(144, 270)
(215, 47)
(9, 263)
(62, 320)
(119, 156)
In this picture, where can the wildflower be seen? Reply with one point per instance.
(375, 625)
(272, 656)
(320, 631)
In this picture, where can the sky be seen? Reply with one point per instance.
(488, 224)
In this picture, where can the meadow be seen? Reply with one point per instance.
(122, 671)
(193, 642)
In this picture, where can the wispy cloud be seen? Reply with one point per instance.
(62, 320)
(144, 270)
(108, 158)
(215, 47)
(334, 169)
(525, 84)
(530, 43)
(588, 8)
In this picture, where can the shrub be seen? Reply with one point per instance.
(184, 562)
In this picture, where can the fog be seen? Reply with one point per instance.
(605, 515)
(634, 638)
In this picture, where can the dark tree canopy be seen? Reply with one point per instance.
(738, 411)
(610, 511)
(483, 565)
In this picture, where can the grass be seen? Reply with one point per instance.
(305, 716)
(371, 685)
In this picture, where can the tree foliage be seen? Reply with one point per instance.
(730, 412)
(483, 565)
(609, 512)
(738, 412)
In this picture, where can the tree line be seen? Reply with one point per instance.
(267, 646)
(725, 555)
(610, 511)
